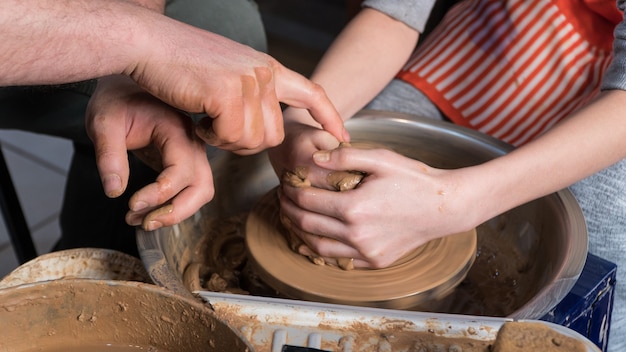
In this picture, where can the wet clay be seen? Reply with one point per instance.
(400, 335)
(501, 279)
(101, 347)
(362, 337)
(499, 282)
(75, 313)
(338, 180)
(429, 272)
(534, 336)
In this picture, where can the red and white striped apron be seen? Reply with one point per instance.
(514, 68)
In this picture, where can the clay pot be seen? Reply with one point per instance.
(94, 315)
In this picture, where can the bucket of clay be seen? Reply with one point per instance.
(528, 258)
(78, 263)
(102, 315)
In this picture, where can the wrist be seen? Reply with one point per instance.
(474, 194)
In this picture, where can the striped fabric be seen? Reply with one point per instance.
(512, 68)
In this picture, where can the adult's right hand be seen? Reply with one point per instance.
(239, 88)
(191, 69)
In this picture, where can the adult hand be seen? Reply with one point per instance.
(237, 87)
(400, 205)
(122, 117)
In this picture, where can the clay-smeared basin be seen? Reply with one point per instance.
(540, 247)
(98, 315)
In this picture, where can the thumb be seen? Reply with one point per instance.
(348, 158)
(111, 157)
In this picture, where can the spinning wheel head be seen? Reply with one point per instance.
(430, 272)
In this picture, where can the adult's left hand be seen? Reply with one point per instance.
(122, 117)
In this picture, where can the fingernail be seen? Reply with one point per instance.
(152, 225)
(112, 185)
(305, 250)
(150, 222)
(321, 156)
(139, 206)
(133, 220)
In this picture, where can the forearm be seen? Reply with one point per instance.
(363, 60)
(588, 141)
(58, 41)
(154, 5)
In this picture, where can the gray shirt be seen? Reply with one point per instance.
(615, 76)
(413, 13)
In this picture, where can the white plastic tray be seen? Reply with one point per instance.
(270, 323)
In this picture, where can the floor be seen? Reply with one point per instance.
(297, 36)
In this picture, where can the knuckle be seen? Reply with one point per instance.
(317, 92)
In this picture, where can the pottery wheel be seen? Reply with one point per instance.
(428, 273)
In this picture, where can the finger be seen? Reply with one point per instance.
(295, 90)
(111, 155)
(240, 125)
(304, 207)
(332, 252)
(225, 122)
(369, 161)
(184, 165)
(263, 116)
(149, 208)
(184, 205)
(326, 246)
(264, 119)
(274, 127)
(135, 218)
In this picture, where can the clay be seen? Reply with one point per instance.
(497, 284)
(534, 336)
(274, 248)
(81, 313)
(102, 347)
(88, 263)
(222, 256)
(501, 278)
(338, 180)
(362, 337)
(400, 335)
(429, 272)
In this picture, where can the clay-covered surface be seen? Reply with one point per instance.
(78, 263)
(270, 322)
(70, 314)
